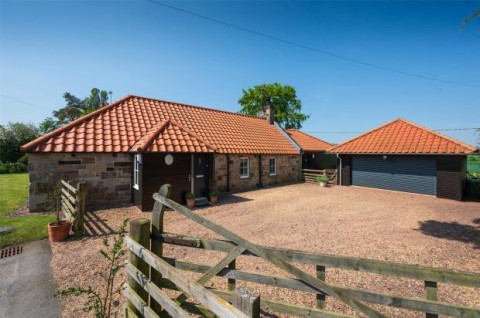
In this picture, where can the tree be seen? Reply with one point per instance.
(282, 97)
(12, 136)
(475, 14)
(74, 108)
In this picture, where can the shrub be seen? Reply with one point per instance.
(190, 196)
(322, 179)
(17, 167)
(214, 193)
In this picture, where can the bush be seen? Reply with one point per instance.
(17, 167)
(322, 179)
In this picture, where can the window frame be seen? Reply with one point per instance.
(270, 166)
(137, 163)
(242, 176)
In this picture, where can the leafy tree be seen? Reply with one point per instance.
(74, 108)
(282, 97)
(12, 136)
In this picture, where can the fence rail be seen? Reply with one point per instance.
(235, 246)
(73, 205)
(310, 175)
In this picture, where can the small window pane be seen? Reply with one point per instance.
(273, 166)
(244, 168)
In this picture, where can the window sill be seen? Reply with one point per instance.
(273, 175)
(244, 177)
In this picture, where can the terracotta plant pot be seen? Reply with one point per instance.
(59, 232)
(213, 200)
(191, 203)
(323, 184)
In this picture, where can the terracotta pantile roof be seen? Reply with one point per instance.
(402, 137)
(307, 142)
(138, 124)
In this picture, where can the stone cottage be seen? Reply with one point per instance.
(126, 150)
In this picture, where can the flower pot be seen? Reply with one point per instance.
(323, 184)
(191, 203)
(58, 231)
(213, 200)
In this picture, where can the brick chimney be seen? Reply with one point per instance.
(269, 112)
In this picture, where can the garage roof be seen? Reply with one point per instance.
(139, 124)
(402, 137)
(307, 142)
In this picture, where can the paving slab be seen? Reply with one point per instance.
(27, 287)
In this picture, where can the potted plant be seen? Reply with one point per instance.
(60, 229)
(322, 180)
(214, 194)
(190, 199)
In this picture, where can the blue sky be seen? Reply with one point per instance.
(138, 47)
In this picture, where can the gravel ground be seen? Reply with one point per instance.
(348, 221)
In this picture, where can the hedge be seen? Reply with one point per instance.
(16, 167)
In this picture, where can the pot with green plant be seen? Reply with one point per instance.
(214, 194)
(322, 180)
(190, 196)
(60, 229)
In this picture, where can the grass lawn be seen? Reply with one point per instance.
(13, 194)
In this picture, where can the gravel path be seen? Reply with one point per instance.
(347, 221)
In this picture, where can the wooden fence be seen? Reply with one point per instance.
(147, 299)
(310, 175)
(73, 205)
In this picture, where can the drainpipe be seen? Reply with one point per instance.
(341, 169)
(260, 184)
(228, 173)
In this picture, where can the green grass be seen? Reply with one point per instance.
(13, 194)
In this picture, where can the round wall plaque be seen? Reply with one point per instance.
(168, 159)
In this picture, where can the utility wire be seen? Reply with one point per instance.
(23, 102)
(361, 132)
(309, 48)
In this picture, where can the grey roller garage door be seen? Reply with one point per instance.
(409, 174)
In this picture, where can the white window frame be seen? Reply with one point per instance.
(274, 166)
(242, 176)
(137, 163)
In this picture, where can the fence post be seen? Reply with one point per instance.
(156, 244)
(431, 294)
(321, 297)
(140, 233)
(246, 301)
(231, 281)
(80, 209)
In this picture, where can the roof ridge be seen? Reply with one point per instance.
(194, 135)
(440, 135)
(155, 131)
(196, 106)
(71, 124)
(364, 134)
(308, 135)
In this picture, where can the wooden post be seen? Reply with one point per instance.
(320, 297)
(246, 301)
(156, 245)
(80, 209)
(231, 281)
(431, 294)
(140, 233)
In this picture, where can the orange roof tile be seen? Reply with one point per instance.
(139, 124)
(402, 137)
(307, 142)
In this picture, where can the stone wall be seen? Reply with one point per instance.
(108, 177)
(288, 171)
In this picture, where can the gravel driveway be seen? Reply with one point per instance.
(348, 221)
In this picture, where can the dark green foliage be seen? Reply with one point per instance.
(74, 108)
(12, 136)
(190, 196)
(283, 98)
(16, 167)
(100, 302)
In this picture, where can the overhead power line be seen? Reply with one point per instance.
(23, 102)
(309, 48)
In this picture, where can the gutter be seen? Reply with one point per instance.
(340, 170)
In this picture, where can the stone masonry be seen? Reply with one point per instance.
(288, 171)
(108, 177)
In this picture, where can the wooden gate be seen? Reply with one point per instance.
(73, 205)
(146, 297)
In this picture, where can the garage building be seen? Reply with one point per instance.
(403, 156)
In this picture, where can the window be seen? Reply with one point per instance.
(137, 162)
(244, 168)
(272, 166)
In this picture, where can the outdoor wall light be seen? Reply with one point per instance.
(385, 157)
